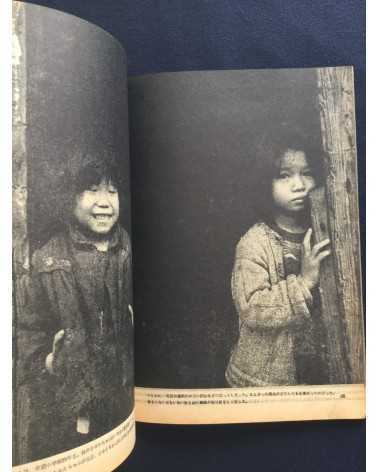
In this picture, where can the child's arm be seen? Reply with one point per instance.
(35, 331)
(50, 299)
(261, 304)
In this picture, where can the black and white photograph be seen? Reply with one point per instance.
(247, 229)
(72, 281)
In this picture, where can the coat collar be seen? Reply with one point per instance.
(285, 235)
(83, 241)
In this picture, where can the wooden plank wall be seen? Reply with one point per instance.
(337, 116)
(338, 363)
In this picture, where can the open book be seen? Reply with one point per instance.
(186, 246)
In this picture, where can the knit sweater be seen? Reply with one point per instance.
(272, 306)
(310, 352)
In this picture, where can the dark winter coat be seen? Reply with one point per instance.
(87, 293)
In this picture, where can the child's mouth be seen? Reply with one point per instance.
(298, 200)
(102, 217)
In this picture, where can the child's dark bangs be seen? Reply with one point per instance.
(94, 174)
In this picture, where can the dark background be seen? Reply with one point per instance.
(164, 35)
(76, 108)
(193, 139)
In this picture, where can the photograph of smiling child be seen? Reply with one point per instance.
(75, 335)
(276, 272)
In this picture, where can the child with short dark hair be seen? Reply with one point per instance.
(77, 335)
(276, 273)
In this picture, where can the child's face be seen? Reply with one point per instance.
(97, 208)
(295, 180)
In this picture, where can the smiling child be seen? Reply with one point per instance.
(77, 333)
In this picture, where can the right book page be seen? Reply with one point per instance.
(247, 268)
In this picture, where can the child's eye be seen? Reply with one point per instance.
(284, 175)
(93, 188)
(307, 173)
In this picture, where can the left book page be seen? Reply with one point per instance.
(73, 369)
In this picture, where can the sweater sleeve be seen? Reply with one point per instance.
(261, 304)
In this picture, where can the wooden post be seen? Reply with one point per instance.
(337, 117)
(331, 313)
(21, 398)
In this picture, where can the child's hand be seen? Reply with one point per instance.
(57, 345)
(311, 259)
